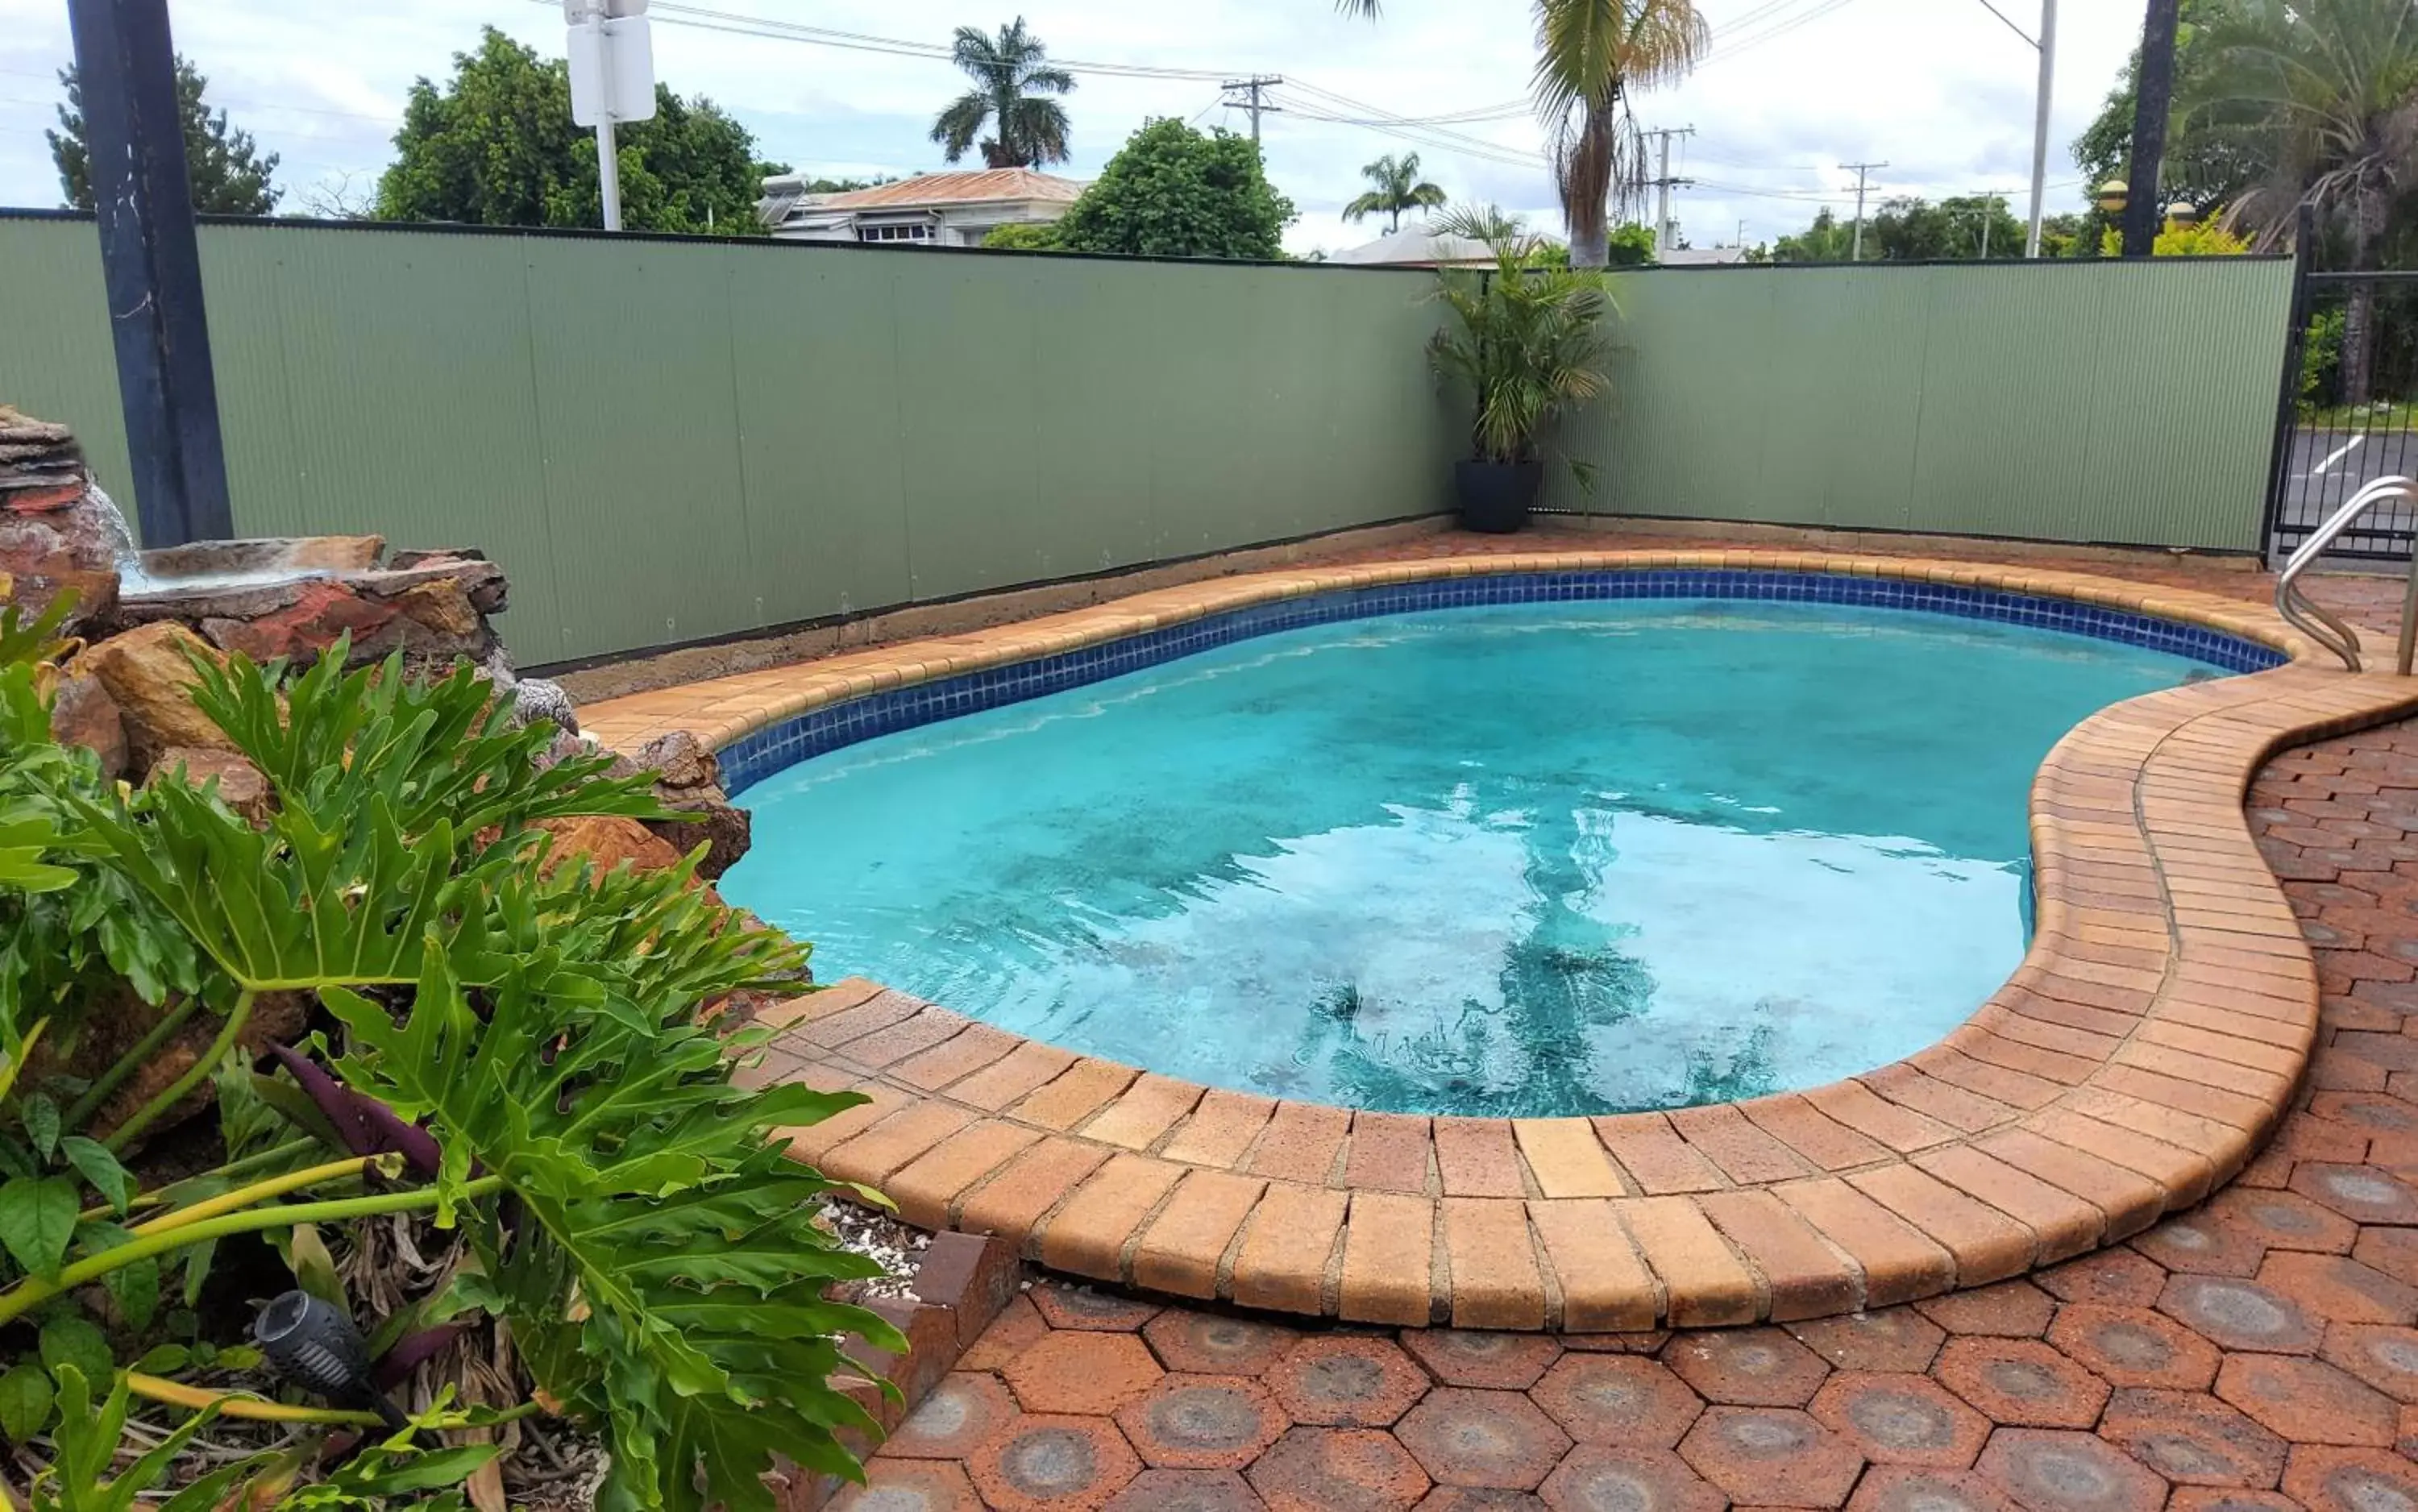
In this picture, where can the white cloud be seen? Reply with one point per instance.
(1939, 90)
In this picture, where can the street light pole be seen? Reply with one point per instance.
(2046, 42)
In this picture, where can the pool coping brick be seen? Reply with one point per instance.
(2137, 1061)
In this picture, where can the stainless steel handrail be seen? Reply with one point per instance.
(2314, 620)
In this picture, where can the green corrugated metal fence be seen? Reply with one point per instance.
(666, 441)
(2109, 402)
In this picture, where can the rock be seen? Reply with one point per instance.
(32, 588)
(83, 713)
(442, 606)
(606, 842)
(535, 698)
(321, 611)
(680, 759)
(726, 832)
(72, 524)
(240, 784)
(148, 672)
(265, 555)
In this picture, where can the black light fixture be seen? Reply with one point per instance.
(312, 1343)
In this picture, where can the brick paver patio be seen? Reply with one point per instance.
(2255, 1354)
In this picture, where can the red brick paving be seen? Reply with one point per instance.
(2258, 1354)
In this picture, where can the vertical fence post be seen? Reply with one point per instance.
(126, 73)
(2287, 387)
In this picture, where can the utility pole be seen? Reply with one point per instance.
(1252, 86)
(2046, 42)
(1663, 183)
(1864, 171)
(2143, 208)
(151, 268)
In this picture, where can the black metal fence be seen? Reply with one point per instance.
(2349, 412)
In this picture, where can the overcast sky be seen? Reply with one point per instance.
(1942, 90)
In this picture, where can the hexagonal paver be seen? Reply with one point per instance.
(2045, 1470)
(2199, 1244)
(2351, 1480)
(2133, 1347)
(1460, 1357)
(1080, 1306)
(2011, 1310)
(1918, 1488)
(1747, 1367)
(1202, 1423)
(1212, 1344)
(1338, 1470)
(2360, 1193)
(966, 1408)
(1346, 1381)
(909, 1485)
(2286, 1220)
(2340, 1289)
(1771, 1455)
(1600, 1478)
(1053, 1464)
(2384, 1358)
(2238, 1315)
(1901, 1419)
(1618, 1400)
(2021, 1383)
(2111, 1278)
(2307, 1401)
(2192, 1439)
(1895, 1338)
(1072, 1371)
(1187, 1491)
(1464, 1437)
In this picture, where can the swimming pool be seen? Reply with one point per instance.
(1510, 858)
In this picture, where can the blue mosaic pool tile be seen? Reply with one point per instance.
(755, 756)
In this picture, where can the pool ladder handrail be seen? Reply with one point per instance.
(2314, 620)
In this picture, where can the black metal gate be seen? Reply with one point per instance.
(2338, 428)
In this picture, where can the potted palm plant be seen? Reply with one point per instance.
(1529, 340)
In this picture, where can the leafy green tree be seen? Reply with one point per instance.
(2205, 163)
(496, 146)
(1908, 229)
(1011, 73)
(2322, 95)
(1594, 55)
(1397, 188)
(1172, 192)
(228, 175)
(1024, 237)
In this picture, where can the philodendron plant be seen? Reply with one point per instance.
(509, 1058)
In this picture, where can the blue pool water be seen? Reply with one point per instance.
(1529, 858)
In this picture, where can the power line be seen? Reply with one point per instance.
(1782, 28)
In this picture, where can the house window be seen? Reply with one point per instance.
(915, 231)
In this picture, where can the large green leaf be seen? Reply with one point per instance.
(37, 1217)
(24, 1401)
(613, 1123)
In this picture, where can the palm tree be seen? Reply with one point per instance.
(1592, 55)
(2329, 89)
(1009, 74)
(1398, 189)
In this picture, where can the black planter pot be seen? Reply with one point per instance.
(1496, 496)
